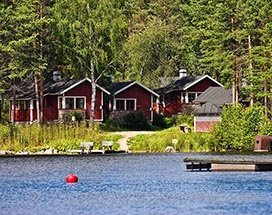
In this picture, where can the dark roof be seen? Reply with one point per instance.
(26, 89)
(116, 86)
(215, 95)
(179, 84)
(208, 109)
(212, 100)
(184, 83)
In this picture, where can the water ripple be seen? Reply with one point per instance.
(128, 184)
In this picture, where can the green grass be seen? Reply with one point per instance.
(58, 136)
(187, 142)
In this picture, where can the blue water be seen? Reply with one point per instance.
(128, 184)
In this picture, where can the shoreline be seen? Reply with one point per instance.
(191, 155)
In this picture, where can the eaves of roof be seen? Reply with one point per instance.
(129, 84)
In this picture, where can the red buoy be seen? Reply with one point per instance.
(71, 178)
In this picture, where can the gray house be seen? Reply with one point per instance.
(210, 104)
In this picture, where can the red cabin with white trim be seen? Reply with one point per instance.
(134, 96)
(177, 97)
(62, 98)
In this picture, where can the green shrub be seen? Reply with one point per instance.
(136, 121)
(128, 121)
(266, 127)
(78, 116)
(167, 122)
(239, 126)
(111, 125)
(158, 121)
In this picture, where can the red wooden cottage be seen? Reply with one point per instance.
(179, 95)
(133, 96)
(62, 97)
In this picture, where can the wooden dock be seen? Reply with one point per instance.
(88, 148)
(229, 163)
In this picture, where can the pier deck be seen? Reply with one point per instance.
(229, 163)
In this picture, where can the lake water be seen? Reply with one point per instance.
(128, 184)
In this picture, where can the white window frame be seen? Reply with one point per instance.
(186, 99)
(125, 102)
(62, 106)
(18, 105)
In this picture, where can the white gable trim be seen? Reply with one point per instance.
(141, 85)
(200, 79)
(81, 81)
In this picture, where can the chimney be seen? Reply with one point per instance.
(182, 73)
(56, 75)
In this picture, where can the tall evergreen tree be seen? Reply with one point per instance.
(19, 32)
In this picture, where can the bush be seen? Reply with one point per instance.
(167, 122)
(239, 126)
(136, 121)
(111, 125)
(127, 121)
(78, 116)
(158, 121)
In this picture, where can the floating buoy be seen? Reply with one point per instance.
(71, 178)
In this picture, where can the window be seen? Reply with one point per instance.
(69, 103)
(125, 104)
(120, 105)
(191, 97)
(79, 103)
(22, 105)
(130, 104)
(72, 102)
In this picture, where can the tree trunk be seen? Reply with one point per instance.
(91, 69)
(37, 97)
(265, 99)
(42, 8)
(92, 96)
(235, 96)
(250, 68)
(13, 104)
(2, 105)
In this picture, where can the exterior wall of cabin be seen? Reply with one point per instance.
(205, 123)
(143, 99)
(203, 85)
(22, 112)
(172, 103)
(85, 89)
(50, 108)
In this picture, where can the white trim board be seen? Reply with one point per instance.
(200, 79)
(141, 85)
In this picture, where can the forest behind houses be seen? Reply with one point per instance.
(140, 40)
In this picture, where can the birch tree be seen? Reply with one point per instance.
(91, 32)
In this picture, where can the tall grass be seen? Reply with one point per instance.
(58, 136)
(187, 142)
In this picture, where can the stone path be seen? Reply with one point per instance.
(128, 134)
